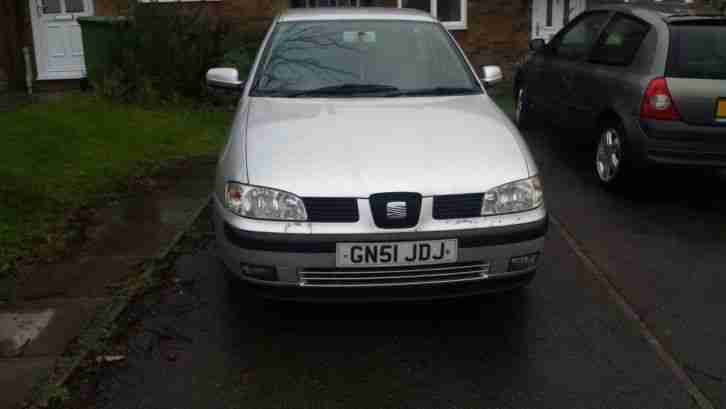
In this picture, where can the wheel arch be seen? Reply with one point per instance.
(608, 115)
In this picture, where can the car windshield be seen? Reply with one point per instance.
(698, 51)
(362, 58)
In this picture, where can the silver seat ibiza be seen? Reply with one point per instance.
(367, 162)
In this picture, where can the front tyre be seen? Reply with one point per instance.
(612, 162)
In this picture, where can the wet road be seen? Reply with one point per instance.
(561, 343)
(662, 243)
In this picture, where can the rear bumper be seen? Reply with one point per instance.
(678, 143)
(293, 254)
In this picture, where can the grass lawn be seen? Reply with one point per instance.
(60, 155)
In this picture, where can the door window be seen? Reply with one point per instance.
(448, 10)
(51, 6)
(74, 6)
(452, 13)
(423, 5)
(566, 10)
(548, 18)
(620, 41)
(63, 6)
(577, 39)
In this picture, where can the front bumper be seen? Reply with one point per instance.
(678, 143)
(294, 254)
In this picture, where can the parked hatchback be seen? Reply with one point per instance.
(366, 161)
(653, 85)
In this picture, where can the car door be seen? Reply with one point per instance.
(601, 81)
(567, 55)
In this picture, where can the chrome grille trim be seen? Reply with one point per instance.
(394, 276)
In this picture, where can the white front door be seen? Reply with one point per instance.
(57, 37)
(549, 16)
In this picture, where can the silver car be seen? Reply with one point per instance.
(367, 162)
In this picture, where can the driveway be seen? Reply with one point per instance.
(661, 243)
(563, 342)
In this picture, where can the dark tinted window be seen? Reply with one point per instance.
(698, 51)
(620, 41)
(577, 40)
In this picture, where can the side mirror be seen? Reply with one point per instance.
(224, 78)
(491, 74)
(537, 45)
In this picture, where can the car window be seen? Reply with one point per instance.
(577, 40)
(620, 41)
(697, 51)
(311, 55)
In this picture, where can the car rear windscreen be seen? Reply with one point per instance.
(698, 50)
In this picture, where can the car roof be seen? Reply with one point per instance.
(362, 13)
(648, 13)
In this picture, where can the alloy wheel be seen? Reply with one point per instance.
(609, 158)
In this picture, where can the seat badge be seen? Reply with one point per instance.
(396, 210)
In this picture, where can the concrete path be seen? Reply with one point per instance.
(54, 302)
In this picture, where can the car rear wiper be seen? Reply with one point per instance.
(436, 91)
(344, 89)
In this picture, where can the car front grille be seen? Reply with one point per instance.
(331, 209)
(394, 276)
(457, 206)
(405, 215)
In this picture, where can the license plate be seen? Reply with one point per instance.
(721, 109)
(402, 253)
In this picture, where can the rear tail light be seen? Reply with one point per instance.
(658, 102)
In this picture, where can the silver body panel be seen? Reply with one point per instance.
(356, 147)
(290, 264)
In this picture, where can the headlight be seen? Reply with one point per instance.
(258, 202)
(518, 196)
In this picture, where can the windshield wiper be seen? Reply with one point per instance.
(435, 91)
(344, 89)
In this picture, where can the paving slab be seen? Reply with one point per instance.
(82, 277)
(56, 301)
(18, 376)
(44, 329)
(134, 228)
(19, 328)
(69, 318)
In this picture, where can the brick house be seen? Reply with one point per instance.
(490, 31)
